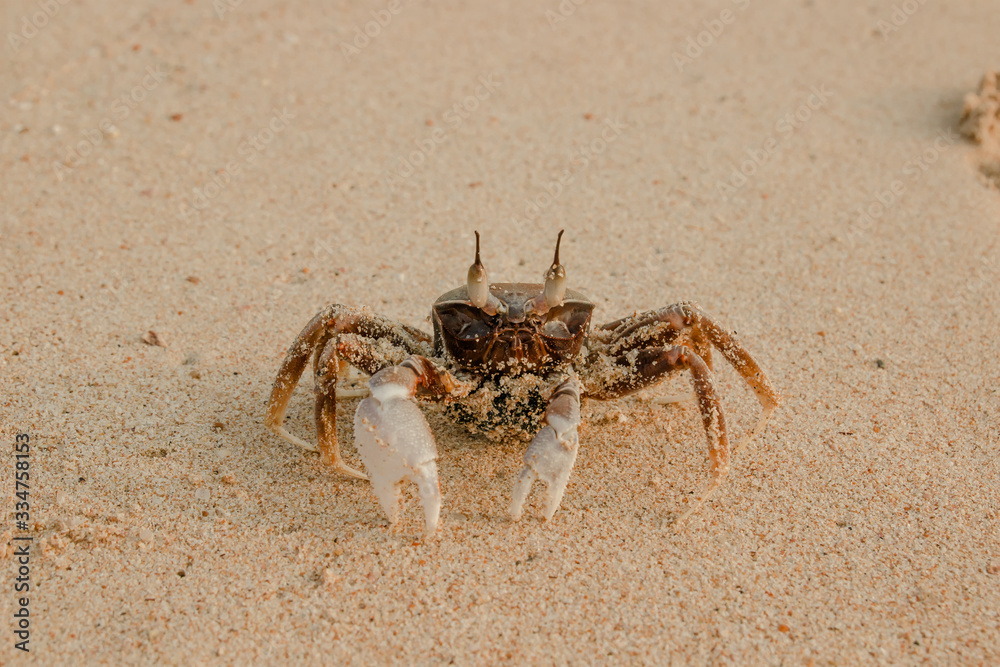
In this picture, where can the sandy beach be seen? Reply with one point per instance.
(186, 184)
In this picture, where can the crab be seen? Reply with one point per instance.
(504, 358)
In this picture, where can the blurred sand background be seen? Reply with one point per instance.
(255, 173)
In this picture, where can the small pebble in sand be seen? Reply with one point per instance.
(993, 568)
(146, 535)
(152, 338)
(203, 494)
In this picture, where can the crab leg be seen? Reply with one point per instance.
(649, 365)
(710, 406)
(704, 333)
(552, 452)
(327, 371)
(393, 437)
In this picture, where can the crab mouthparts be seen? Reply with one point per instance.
(517, 343)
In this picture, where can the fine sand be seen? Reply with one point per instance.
(218, 173)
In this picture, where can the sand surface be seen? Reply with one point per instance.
(269, 161)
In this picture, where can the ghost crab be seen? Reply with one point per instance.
(504, 356)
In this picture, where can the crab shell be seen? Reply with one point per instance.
(513, 342)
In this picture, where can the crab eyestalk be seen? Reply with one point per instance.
(479, 287)
(554, 291)
(555, 279)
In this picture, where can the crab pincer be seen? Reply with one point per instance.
(396, 444)
(552, 452)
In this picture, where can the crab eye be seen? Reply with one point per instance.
(555, 279)
(479, 286)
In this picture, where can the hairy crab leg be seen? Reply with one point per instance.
(327, 375)
(704, 334)
(394, 440)
(312, 336)
(552, 452)
(648, 365)
(712, 418)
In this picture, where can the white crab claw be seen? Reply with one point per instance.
(549, 457)
(396, 444)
